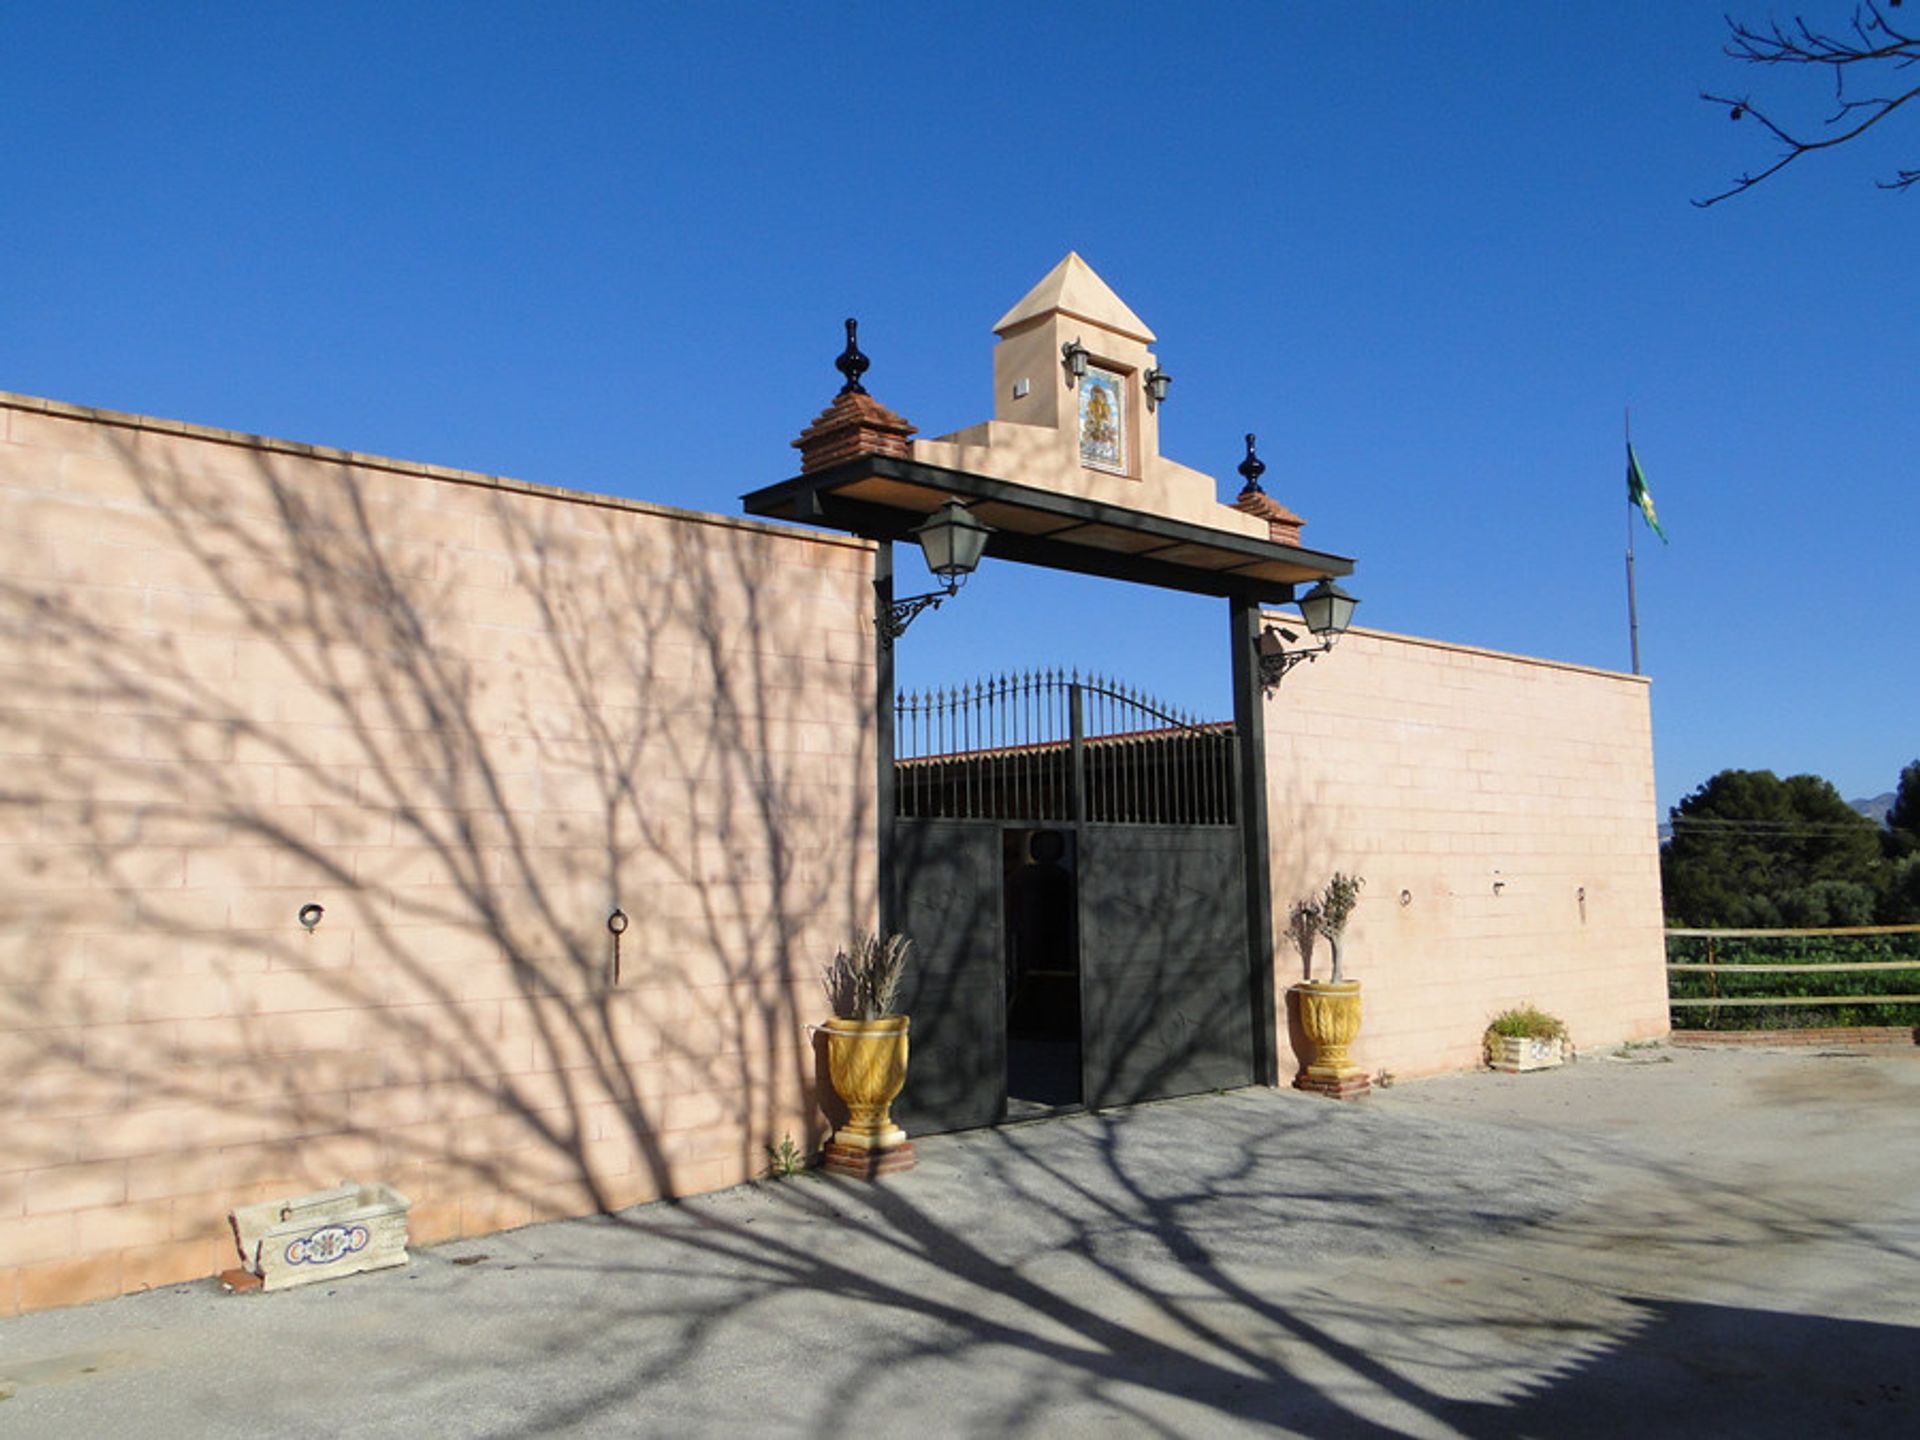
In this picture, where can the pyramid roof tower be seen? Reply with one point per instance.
(1066, 474)
(1071, 288)
(1071, 343)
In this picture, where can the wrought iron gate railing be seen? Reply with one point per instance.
(1049, 746)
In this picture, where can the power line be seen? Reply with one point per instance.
(1777, 827)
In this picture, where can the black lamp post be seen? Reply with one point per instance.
(953, 541)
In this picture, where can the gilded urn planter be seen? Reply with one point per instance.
(1329, 1013)
(867, 1064)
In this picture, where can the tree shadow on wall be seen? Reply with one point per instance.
(468, 722)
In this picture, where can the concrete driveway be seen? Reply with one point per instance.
(1670, 1242)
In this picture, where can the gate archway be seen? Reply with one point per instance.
(1068, 856)
(1068, 476)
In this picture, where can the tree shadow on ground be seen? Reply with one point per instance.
(1142, 1270)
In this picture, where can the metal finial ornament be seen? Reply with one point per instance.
(1253, 468)
(852, 363)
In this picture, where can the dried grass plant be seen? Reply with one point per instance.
(863, 981)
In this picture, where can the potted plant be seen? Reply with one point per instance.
(1525, 1038)
(867, 1055)
(1329, 1010)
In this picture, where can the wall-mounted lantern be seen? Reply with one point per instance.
(1073, 357)
(1156, 381)
(1327, 611)
(952, 541)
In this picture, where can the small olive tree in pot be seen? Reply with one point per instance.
(1329, 1009)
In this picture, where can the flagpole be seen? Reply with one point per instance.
(1633, 607)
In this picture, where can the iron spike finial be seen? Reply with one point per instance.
(852, 363)
(1253, 468)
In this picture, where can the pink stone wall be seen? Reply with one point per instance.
(468, 718)
(1502, 811)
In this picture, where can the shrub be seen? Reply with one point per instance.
(1732, 953)
(1527, 1022)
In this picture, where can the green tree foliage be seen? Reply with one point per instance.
(1901, 904)
(1751, 850)
(1903, 819)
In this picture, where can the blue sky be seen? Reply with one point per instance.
(1428, 253)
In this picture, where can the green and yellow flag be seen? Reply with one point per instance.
(1638, 494)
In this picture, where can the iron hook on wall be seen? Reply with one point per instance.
(616, 927)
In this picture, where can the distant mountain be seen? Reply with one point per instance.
(1876, 808)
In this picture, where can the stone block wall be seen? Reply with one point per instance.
(467, 718)
(1502, 812)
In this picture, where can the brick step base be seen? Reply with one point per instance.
(861, 1164)
(1345, 1087)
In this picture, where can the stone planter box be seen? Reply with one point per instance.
(1516, 1054)
(322, 1236)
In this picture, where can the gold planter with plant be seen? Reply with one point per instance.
(1328, 1010)
(1330, 1015)
(867, 1056)
(867, 1061)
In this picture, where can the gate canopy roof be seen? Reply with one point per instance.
(882, 497)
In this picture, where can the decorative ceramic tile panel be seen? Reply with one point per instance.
(1103, 421)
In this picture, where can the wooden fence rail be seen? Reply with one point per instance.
(1717, 969)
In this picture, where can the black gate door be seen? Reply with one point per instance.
(948, 872)
(1164, 965)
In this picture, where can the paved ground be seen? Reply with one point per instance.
(1714, 1243)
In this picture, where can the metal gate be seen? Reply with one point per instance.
(1068, 845)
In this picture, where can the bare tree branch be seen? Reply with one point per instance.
(1867, 53)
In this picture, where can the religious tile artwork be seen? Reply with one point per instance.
(1103, 425)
